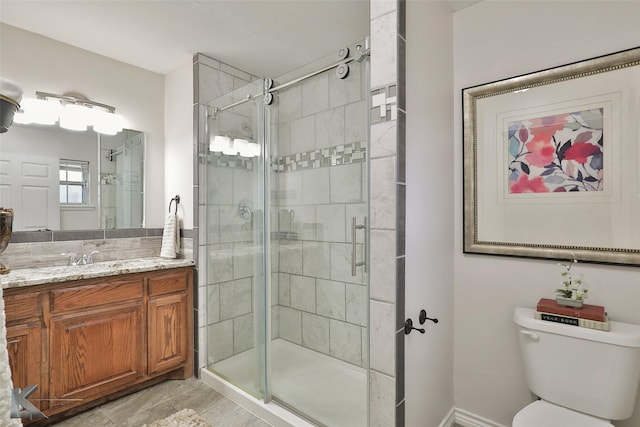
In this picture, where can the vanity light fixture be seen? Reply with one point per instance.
(106, 122)
(230, 149)
(233, 147)
(246, 148)
(219, 143)
(71, 112)
(38, 111)
(75, 117)
(242, 146)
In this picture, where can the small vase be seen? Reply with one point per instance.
(6, 226)
(568, 302)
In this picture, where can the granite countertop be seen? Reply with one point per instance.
(58, 274)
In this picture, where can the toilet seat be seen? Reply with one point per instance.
(544, 414)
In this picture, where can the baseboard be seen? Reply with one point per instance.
(450, 419)
(468, 419)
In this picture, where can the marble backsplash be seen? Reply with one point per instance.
(30, 254)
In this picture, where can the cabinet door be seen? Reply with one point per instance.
(24, 347)
(25, 342)
(96, 351)
(168, 331)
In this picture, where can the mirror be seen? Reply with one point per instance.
(56, 179)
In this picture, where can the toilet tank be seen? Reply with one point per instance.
(590, 371)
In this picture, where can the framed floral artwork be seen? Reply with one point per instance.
(551, 163)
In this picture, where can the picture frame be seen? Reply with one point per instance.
(551, 163)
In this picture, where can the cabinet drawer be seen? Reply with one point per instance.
(22, 306)
(112, 291)
(167, 283)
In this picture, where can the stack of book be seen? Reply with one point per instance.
(588, 316)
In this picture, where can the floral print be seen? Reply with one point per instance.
(558, 153)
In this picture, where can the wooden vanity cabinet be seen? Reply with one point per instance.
(102, 336)
(25, 342)
(96, 339)
(168, 314)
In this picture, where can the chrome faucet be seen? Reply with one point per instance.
(75, 259)
(88, 258)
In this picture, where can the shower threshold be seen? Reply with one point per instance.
(325, 389)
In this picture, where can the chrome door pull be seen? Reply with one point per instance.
(354, 263)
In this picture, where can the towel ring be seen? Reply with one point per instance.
(177, 200)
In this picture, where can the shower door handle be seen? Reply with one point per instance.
(354, 262)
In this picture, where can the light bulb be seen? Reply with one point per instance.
(254, 149)
(41, 111)
(21, 117)
(75, 117)
(106, 122)
(230, 149)
(242, 146)
(246, 148)
(219, 143)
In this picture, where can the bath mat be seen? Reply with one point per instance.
(184, 418)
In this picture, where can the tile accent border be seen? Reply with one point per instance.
(343, 154)
(384, 104)
(223, 160)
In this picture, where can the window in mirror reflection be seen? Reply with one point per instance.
(74, 180)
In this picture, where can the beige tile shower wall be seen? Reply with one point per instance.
(321, 186)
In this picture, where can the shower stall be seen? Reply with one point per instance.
(120, 181)
(287, 304)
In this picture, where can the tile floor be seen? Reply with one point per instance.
(162, 400)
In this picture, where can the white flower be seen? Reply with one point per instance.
(572, 288)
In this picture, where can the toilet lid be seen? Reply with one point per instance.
(541, 413)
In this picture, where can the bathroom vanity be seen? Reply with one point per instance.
(89, 334)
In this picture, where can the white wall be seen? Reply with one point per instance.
(429, 261)
(178, 142)
(495, 40)
(41, 64)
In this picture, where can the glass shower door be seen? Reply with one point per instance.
(319, 345)
(235, 249)
(286, 223)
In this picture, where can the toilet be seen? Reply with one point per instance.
(583, 377)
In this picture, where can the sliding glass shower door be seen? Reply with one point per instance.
(320, 346)
(236, 249)
(287, 231)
